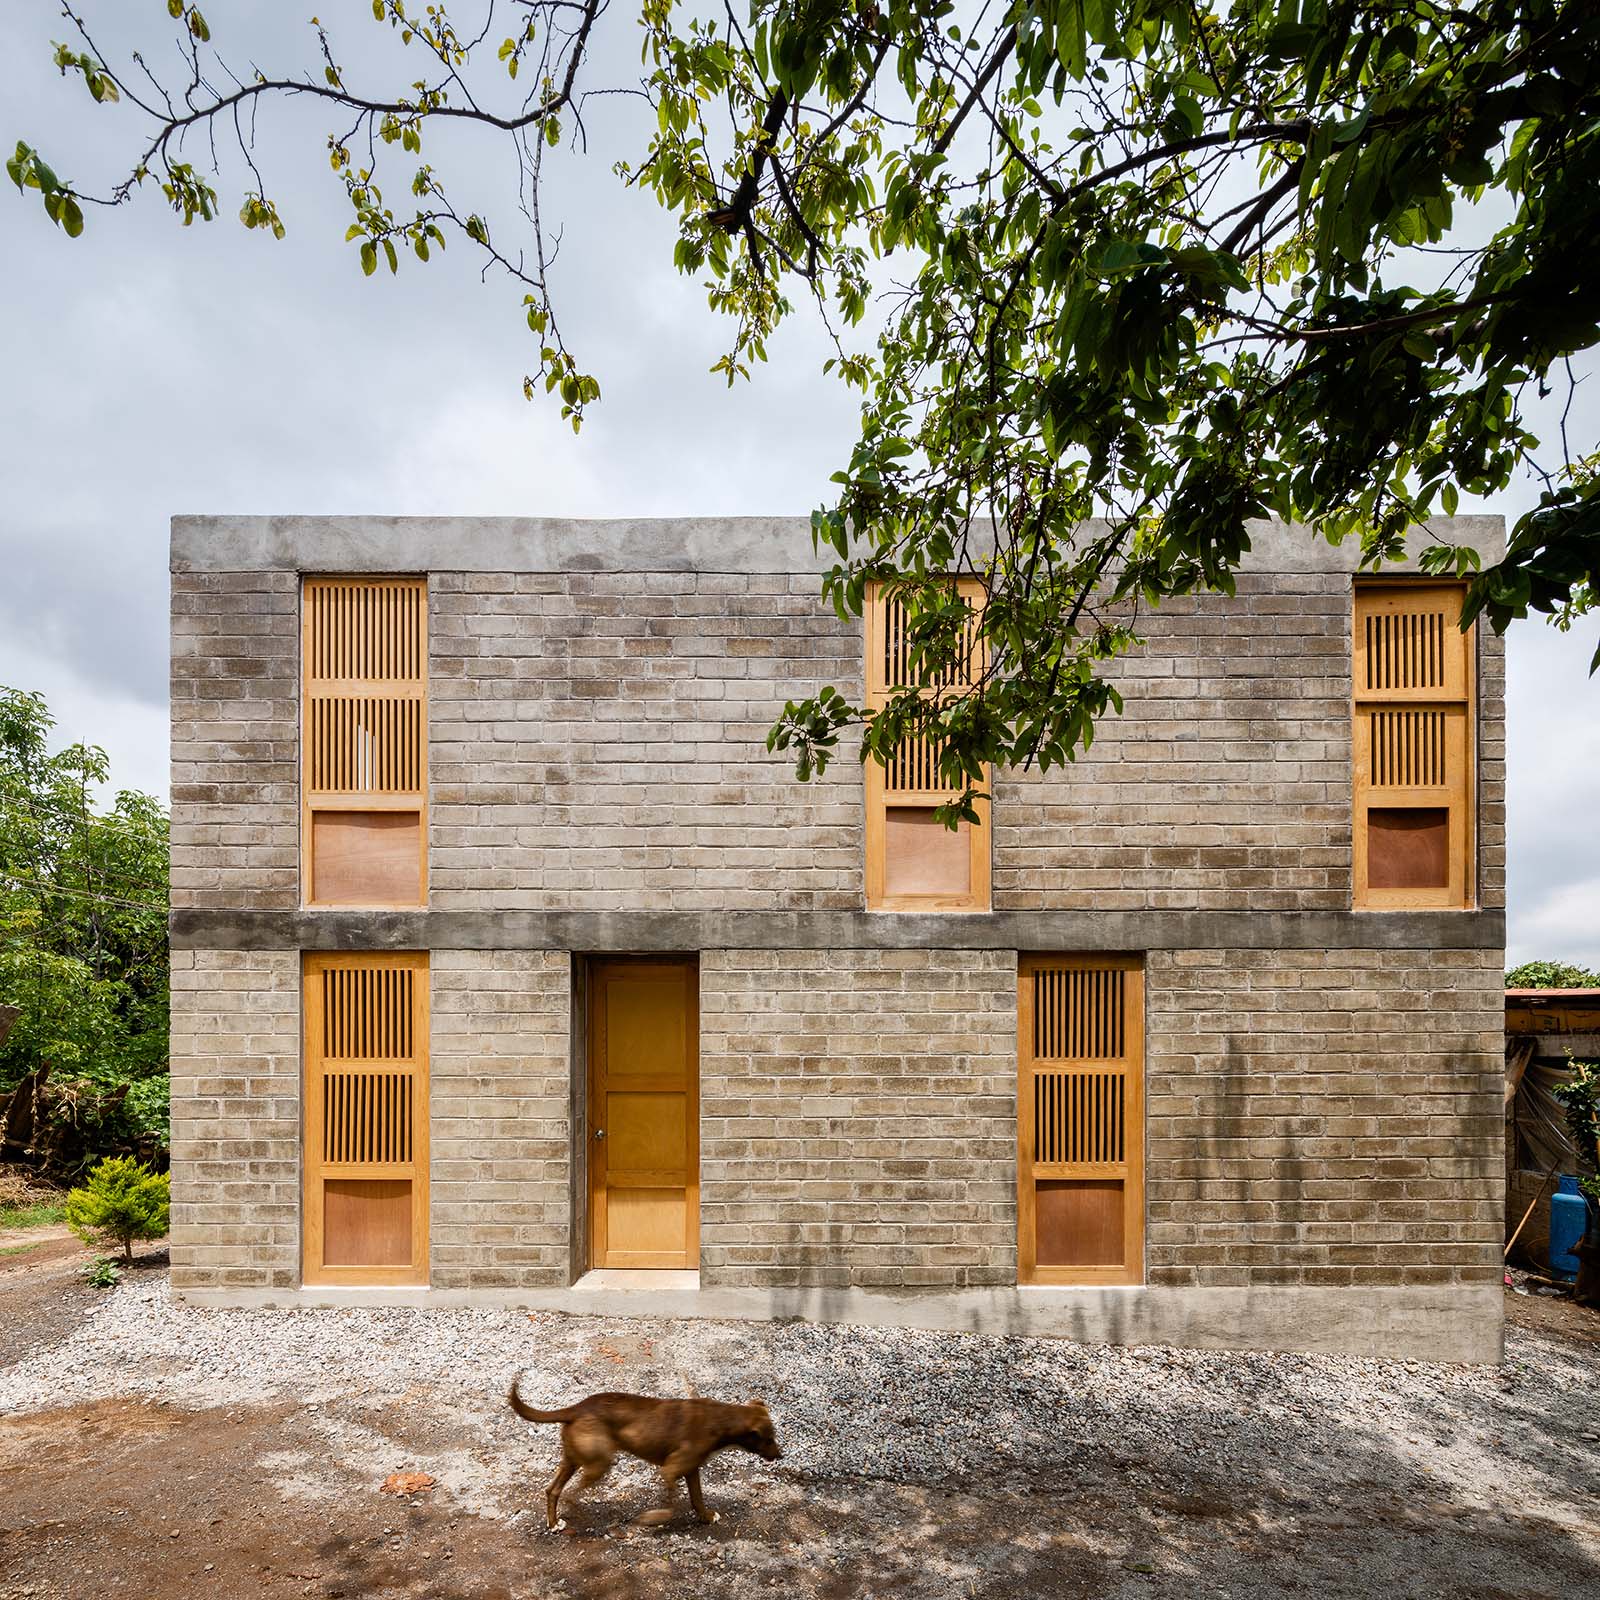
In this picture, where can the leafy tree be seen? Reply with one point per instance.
(119, 1202)
(1150, 270)
(83, 922)
(1551, 975)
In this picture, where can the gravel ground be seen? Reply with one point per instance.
(894, 1437)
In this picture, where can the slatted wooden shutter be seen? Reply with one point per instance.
(1080, 1119)
(364, 741)
(1414, 819)
(366, 1118)
(915, 863)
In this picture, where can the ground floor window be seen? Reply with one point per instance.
(1080, 1119)
(366, 1118)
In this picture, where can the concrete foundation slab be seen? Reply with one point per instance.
(1448, 1324)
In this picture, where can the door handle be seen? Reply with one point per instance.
(599, 1133)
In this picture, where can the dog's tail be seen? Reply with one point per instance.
(528, 1414)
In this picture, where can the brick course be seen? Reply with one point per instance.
(235, 1119)
(858, 1117)
(1324, 1118)
(500, 1156)
(235, 739)
(599, 742)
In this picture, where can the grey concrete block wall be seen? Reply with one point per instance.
(1226, 782)
(858, 1117)
(1491, 686)
(235, 1119)
(235, 739)
(499, 1127)
(598, 742)
(1324, 1118)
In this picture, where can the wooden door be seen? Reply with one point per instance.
(644, 1112)
(366, 1119)
(1080, 1119)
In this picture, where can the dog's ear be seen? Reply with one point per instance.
(756, 1400)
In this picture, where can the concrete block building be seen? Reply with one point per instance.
(509, 966)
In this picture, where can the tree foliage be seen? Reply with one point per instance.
(83, 922)
(1138, 272)
(1551, 975)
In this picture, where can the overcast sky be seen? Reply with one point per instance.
(150, 369)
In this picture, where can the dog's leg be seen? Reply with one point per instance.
(696, 1499)
(586, 1451)
(552, 1495)
(673, 1468)
(669, 1491)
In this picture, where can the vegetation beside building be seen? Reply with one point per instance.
(83, 949)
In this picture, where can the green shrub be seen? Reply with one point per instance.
(1551, 975)
(1580, 1100)
(121, 1201)
(102, 1273)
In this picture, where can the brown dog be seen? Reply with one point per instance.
(678, 1436)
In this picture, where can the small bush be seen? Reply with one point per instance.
(121, 1201)
(102, 1273)
(1580, 1100)
(1551, 975)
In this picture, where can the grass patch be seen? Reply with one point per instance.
(40, 1214)
(18, 1249)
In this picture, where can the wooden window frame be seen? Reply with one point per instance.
(881, 798)
(1451, 743)
(1130, 1171)
(314, 1168)
(322, 801)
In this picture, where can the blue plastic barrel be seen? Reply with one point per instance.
(1569, 1217)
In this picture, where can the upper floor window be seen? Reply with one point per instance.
(364, 741)
(1414, 817)
(914, 862)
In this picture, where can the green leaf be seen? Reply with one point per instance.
(369, 258)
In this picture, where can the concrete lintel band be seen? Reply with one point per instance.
(663, 544)
(603, 932)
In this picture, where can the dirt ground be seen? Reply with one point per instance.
(145, 1498)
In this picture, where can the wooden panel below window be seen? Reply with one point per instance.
(366, 1222)
(366, 858)
(1078, 1222)
(1408, 847)
(922, 856)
